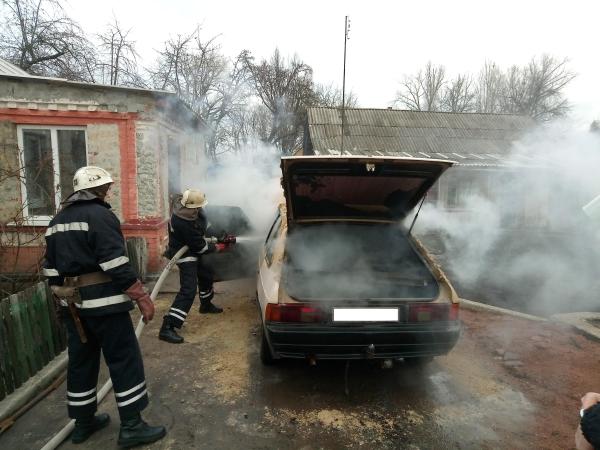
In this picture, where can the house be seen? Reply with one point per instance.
(148, 140)
(478, 143)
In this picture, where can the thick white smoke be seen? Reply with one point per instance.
(250, 180)
(525, 243)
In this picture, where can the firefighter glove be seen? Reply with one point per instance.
(137, 293)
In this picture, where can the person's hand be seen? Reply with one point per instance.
(138, 294)
(590, 399)
(146, 308)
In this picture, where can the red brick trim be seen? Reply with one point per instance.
(62, 117)
(126, 124)
(128, 170)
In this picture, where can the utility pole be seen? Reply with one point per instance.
(346, 32)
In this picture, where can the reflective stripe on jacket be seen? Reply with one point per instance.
(84, 237)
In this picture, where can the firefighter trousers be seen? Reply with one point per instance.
(191, 274)
(114, 335)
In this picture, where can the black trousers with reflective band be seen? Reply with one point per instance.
(191, 274)
(113, 335)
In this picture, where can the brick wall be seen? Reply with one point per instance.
(147, 164)
(21, 259)
(104, 151)
(10, 186)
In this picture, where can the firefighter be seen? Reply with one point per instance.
(95, 284)
(189, 226)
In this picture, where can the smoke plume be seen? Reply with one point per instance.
(523, 241)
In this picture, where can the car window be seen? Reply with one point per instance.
(271, 239)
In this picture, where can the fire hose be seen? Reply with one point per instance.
(64, 433)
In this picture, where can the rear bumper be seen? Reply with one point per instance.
(361, 341)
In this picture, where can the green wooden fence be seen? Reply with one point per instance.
(30, 335)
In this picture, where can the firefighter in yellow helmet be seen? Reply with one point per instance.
(190, 226)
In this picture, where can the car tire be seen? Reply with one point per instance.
(418, 361)
(266, 356)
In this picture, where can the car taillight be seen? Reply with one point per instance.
(293, 312)
(432, 312)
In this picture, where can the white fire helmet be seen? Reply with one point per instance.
(192, 198)
(90, 177)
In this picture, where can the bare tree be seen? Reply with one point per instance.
(459, 95)
(117, 61)
(490, 89)
(247, 127)
(331, 97)
(411, 94)
(285, 87)
(423, 91)
(38, 37)
(207, 81)
(537, 89)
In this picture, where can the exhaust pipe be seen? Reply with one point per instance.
(312, 361)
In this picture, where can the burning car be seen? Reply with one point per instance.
(340, 275)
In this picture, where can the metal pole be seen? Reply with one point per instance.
(344, 84)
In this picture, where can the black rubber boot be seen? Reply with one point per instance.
(167, 332)
(84, 428)
(134, 431)
(209, 308)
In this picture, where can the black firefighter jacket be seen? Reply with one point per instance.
(189, 227)
(85, 237)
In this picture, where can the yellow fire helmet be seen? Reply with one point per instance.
(192, 198)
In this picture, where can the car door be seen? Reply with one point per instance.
(269, 272)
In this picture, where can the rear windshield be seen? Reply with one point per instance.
(334, 195)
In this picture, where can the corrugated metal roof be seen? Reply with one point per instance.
(422, 134)
(7, 68)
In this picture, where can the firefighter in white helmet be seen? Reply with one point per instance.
(190, 226)
(94, 284)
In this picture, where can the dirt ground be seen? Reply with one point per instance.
(508, 384)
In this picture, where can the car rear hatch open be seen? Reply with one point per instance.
(345, 242)
(318, 187)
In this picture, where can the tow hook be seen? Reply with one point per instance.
(370, 351)
(312, 361)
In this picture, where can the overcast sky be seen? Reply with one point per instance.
(387, 38)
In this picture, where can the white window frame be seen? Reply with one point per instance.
(44, 220)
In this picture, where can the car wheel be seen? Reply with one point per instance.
(417, 361)
(265, 352)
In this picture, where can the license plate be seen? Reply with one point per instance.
(365, 314)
